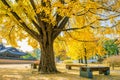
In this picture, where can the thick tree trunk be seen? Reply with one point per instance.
(47, 60)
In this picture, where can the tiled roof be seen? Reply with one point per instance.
(10, 50)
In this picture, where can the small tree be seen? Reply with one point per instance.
(111, 47)
(113, 61)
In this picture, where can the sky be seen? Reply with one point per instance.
(23, 45)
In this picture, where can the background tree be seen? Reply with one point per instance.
(60, 48)
(82, 44)
(111, 47)
(29, 56)
(41, 21)
(36, 53)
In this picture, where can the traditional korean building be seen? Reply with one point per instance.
(10, 52)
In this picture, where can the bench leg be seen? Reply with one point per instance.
(101, 72)
(68, 67)
(86, 73)
(107, 72)
(34, 66)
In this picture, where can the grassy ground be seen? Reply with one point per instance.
(23, 72)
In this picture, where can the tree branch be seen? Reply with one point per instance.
(60, 25)
(96, 13)
(107, 9)
(10, 32)
(79, 13)
(57, 16)
(37, 16)
(30, 31)
(105, 19)
(34, 23)
(66, 29)
(33, 4)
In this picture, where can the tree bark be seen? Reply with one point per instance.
(47, 59)
(85, 57)
(81, 60)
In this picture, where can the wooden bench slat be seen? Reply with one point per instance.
(9, 61)
(68, 66)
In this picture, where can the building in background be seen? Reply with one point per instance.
(10, 52)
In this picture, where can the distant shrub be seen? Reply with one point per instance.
(113, 61)
(100, 60)
(29, 57)
(67, 61)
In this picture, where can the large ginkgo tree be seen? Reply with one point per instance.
(41, 21)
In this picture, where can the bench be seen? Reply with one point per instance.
(34, 63)
(87, 71)
(69, 66)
